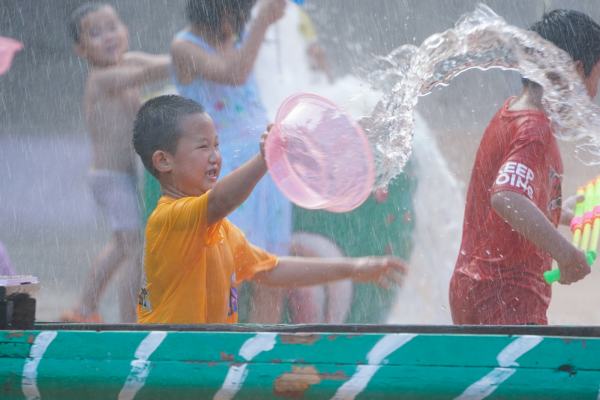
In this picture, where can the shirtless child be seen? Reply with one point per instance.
(111, 100)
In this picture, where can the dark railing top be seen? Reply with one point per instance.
(571, 331)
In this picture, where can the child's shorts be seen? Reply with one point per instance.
(475, 302)
(117, 197)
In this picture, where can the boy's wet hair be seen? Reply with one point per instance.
(156, 126)
(574, 32)
(211, 14)
(78, 14)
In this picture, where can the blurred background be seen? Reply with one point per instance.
(48, 220)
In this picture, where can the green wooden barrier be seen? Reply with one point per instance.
(312, 362)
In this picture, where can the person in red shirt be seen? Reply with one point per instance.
(514, 198)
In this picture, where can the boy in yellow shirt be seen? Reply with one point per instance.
(194, 258)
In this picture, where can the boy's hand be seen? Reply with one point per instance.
(574, 267)
(385, 271)
(271, 11)
(263, 139)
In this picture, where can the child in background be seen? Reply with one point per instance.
(290, 61)
(213, 60)
(213, 65)
(195, 258)
(382, 225)
(514, 198)
(111, 100)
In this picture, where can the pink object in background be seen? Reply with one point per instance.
(318, 156)
(8, 48)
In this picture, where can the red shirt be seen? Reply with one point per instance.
(518, 153)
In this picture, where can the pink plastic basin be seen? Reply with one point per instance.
(318, 156)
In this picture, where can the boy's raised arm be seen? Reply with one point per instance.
(524, 217)
(138, 69)
(228, 65)
(231, 191)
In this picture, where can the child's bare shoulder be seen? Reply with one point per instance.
(184, 48)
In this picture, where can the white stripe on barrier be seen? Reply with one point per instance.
(236, 375)
(506, 358)
(140, 367)
(39, 347)
(361, 378)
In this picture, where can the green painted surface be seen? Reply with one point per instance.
(186, 365)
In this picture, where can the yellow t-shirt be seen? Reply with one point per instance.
(192, 270)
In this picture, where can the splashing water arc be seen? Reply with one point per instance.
(481, 40)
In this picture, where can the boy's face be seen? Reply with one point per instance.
(196, 164)
(591, 81)
(104, 38)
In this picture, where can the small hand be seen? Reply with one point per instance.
(263, 139)
(271, 11)
(574, 267)
(385, 271)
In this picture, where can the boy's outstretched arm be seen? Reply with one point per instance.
(303, 271)
(524, 217)
(231, 191)
(138, 69)
(229, 65)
